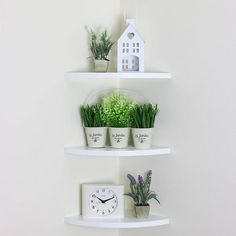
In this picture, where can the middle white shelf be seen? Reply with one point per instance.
(111, 152)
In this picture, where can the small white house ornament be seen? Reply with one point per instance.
(130, 50)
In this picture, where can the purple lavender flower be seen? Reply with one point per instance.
(149, 173)
(140, 189)
(140, 179)
(131, 178)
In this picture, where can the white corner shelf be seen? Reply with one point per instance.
(118, 75)
(112, 152)
(127, 222)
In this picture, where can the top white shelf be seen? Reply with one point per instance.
(118, 75)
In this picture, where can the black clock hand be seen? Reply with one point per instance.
(108, 199)
(102, 201)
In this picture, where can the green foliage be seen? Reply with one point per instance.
(117, 109)
(100, 45)
(143, 116)
(91, 115)
(140, 190)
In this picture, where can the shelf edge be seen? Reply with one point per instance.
(77, 220)
(117, 75)
(84, 151)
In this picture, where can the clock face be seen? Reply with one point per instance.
(103, 201)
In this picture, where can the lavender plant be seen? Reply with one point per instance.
(117, 109)
(140, 190)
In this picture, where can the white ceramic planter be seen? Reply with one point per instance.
(96, 136)
(119, 137)
(142, 212)
(142, 138)
(101, 65)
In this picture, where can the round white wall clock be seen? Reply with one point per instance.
(102, 201)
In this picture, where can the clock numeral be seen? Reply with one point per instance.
(97, 191)
(91, 200)
(93, 195)
(103, 213)
(109, 211)
(97, 210)
(114, 201)
(113, 207)
(103, 190)
(93, 207)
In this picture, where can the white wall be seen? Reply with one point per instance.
(195, 40)
(42, 40)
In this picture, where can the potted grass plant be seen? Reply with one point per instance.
(141, 194)
(117, 109)
(95, 127)
(143, 120)
(100, 46)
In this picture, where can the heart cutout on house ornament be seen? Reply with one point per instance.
(130, 35)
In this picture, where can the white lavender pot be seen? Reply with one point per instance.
(142, 138)
(96, 136)
(142, 212)
(119, 137)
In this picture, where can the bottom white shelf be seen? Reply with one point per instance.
(127, 222)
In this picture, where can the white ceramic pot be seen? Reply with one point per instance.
(142, 138)
(119, 137)
(96, 136)
(142, 212)
(101, 65)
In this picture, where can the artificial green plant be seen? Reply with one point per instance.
(92, 115)
(100, 45)
(143, 116)
(117, 109)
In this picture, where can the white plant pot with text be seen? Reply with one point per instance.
(119, 137)
(96, 136)
(142, 137)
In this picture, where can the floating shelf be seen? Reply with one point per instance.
(112, 152)
(118, 75)
(127, 222)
